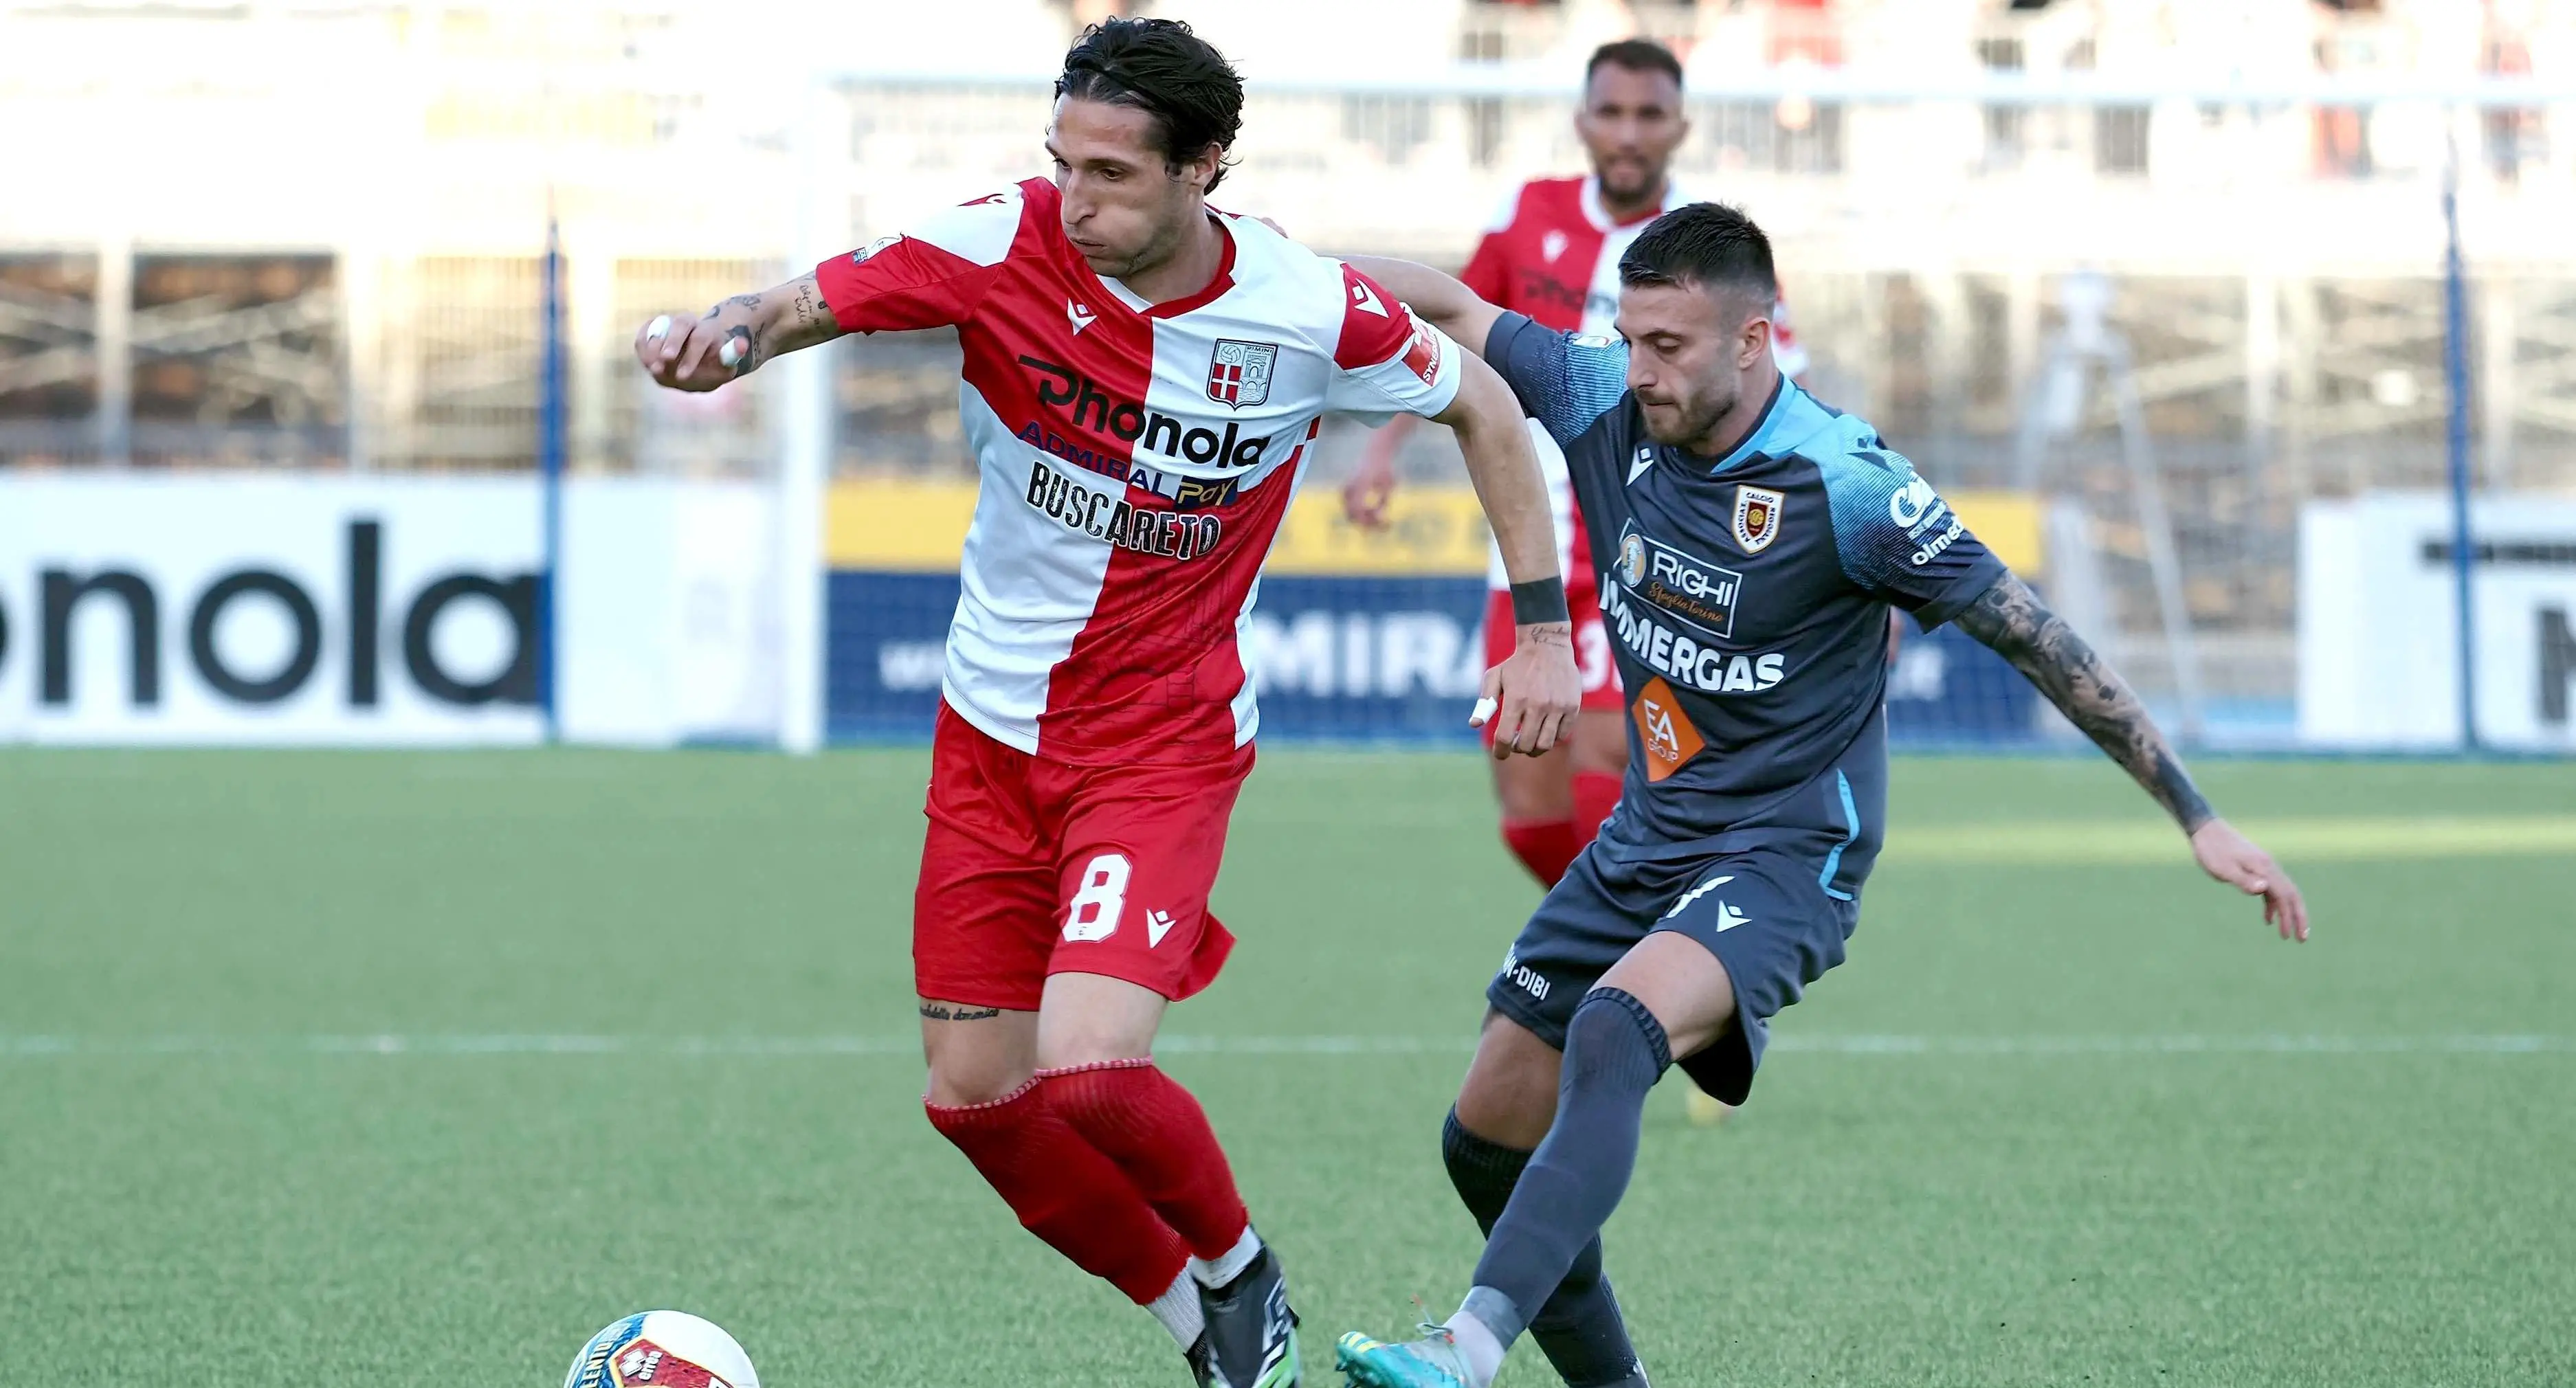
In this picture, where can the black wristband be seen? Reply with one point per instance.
(1539, 600)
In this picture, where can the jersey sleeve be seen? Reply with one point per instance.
(1899, 541)
(1564, 382)
(1387, 362)
(934, 275)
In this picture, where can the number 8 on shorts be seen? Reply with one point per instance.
(1093, 913)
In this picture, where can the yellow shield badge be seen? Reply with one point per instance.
(1757, 518)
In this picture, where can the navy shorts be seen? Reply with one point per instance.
(1762, 908)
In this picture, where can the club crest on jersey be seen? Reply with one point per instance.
(1632, 558)
(1552, 245)
(1757, 518)
(1239, 372)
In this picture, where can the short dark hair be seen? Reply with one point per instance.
(1159, 67)
(1636, 55)
(1708, 244)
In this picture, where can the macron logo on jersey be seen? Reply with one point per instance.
(1081, 315)
(1365, 299)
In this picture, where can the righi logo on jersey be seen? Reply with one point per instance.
(1164, 534)
(1918, 510)
(1697, 593)
(1239, 372)
(1081, 400)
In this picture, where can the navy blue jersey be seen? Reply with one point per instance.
(1747, 599)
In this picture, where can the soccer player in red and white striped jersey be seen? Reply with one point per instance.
(1552, 254)
(1144, 378)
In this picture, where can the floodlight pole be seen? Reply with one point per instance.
(2455, 365)
(550, 467)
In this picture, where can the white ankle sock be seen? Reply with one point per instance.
(1219, 1271)
(1178, 1309)
(1477, 1345)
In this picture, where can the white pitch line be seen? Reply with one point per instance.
(505, 1044)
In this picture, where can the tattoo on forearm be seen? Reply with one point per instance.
(1552, 634)
(942, 1012)
(807, 305)
(2011, 619)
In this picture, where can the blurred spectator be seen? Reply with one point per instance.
(2352, 37)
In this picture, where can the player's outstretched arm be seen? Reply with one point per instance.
(1450, 306)
(733, 338)
(2019, 627)
(1537, 690)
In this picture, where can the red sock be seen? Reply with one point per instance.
(1160, 1137)
(1544, 846)
(1065, 1191)
(1596, 793)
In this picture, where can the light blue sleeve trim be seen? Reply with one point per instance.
(1851, 831)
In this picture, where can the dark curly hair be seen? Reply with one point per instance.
(1161, 68)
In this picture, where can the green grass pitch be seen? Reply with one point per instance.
(2110, 1130)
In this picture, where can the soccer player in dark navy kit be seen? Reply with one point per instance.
(1749, 542)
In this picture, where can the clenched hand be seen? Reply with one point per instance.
(1531, 698)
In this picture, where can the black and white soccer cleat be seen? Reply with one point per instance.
(1251, 1336)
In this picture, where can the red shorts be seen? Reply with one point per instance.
(1034, 868)
(1591, 646)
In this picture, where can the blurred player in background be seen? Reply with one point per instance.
(1143, 379)
(1750, 543)
(1552, 253)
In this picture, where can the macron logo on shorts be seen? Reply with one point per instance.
(1702, 890)
(1157, 925)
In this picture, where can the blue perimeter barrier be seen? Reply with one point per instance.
(1350, 659)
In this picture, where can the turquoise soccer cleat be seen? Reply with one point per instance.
(1430, 1362)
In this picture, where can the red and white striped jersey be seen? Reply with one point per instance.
(1136, 460)
(1552, 253)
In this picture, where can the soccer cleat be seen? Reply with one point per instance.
(1430, 1362)
(1251, 1333)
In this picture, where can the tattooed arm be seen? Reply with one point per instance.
(735, 337)
(2019, 627)
(2011, 619)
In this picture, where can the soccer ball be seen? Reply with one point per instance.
(662, 1349)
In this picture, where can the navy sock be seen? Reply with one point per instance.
(1579, 1328)
(1615, 1050)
